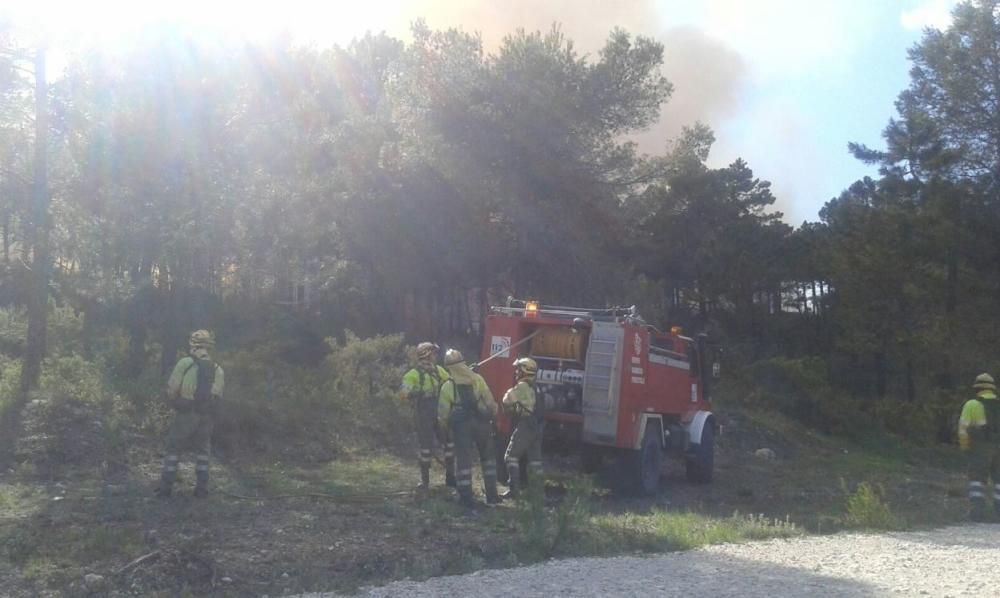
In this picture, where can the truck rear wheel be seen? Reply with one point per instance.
(649, 461)
(701, 463)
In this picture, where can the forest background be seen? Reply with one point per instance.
(297, 200)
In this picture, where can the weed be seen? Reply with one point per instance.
(866, 509)
(543, 532)
(666, 531)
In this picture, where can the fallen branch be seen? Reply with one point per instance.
(143, 559)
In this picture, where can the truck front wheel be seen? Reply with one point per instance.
(701, 461)
(649, 461)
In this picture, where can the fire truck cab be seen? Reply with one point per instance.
(611, 386)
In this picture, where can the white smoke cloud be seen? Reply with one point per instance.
(931, 13)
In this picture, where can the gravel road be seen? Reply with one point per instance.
(954, 561)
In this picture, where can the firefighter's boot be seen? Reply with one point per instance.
(977, 501)
(996, 502)
(168, 475)
(490, 483)
(164, 489)
(425, 477)
(514, 478)
(449, 473)
(449, 464)
(465, 498)
(201, 477)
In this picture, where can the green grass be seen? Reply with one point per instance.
(661, 531)
(353, 476)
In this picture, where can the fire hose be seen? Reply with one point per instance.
(506, 349)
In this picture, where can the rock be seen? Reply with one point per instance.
(93, 581)
(765, 454)
(284, 576)
(226, 580)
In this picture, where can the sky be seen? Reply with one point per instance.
(785, 84)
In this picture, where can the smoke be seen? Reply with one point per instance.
(708, 76)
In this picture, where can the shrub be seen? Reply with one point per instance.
(349, 398)
(800, 388)
(65, 326)
(866, 509)
(13, 329)
(543, 533)
(72, 419)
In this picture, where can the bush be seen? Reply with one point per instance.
(72, 420)
(866, 509)
(10, 372)
(800, 388)
(65, 326)
(542, 533)
(13, 329)
(348, 399)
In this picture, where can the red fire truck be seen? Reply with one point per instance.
(612, 386)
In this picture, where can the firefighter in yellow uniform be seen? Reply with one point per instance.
(526, 440)
(195, 385)
(468, 409)
(421, 387)
(979, 437)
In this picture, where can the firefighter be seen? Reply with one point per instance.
(193, 389)
(468, 409)
(421, 387)
(979, 437)
(526, 441)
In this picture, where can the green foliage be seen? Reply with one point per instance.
(366, 375)
(72, 420)
(10, 371)
(544, 532)
(663, 530)
(13, 328)
(350, 399)
(800, 389)
(866, 509)
(64, 330)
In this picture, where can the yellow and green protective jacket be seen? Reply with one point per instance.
(183, 380)
(520, 399)
(461, 374)
(974, 424)
(418, 383)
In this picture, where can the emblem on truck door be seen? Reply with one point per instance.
(500, 345)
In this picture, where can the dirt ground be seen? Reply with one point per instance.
(89, 534)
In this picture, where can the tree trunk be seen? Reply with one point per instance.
(34, 347)
(6, 238)
(880, 375)
(170, 323)
(911, 383)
